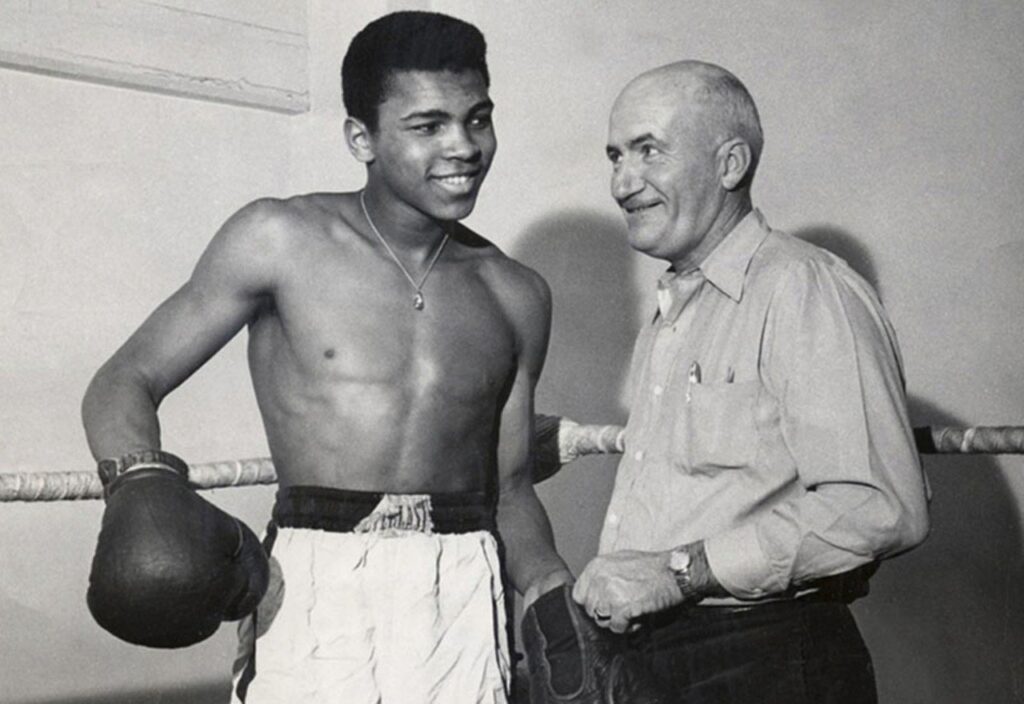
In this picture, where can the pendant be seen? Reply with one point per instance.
(417, 301)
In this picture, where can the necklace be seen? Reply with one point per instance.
(417, 300)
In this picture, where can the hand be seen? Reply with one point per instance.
(170, 566)
(617, 587)
(572, 661)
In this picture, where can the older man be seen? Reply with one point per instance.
(770, 462)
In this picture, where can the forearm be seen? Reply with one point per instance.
(119, 413)
(821, 533)
(531, 561)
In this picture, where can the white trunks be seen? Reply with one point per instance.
(401, 608)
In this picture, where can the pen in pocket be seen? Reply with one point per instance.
(693, 377)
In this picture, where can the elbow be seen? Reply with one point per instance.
(117, 385)
(102, 387)
(95, 393)
(919, 525)
(904, 525)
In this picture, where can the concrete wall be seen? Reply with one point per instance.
(893, 137)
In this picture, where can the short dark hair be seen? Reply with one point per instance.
(406, 41)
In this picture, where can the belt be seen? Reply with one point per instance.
(342, 510)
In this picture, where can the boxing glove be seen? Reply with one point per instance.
(572, 660)
(169, 566)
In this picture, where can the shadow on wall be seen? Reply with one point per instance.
(586, 261)
(842, 243)
(210, 693)
(944, 622)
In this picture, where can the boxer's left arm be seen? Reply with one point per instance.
(531, 561)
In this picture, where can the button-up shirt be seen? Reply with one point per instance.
(768, 419)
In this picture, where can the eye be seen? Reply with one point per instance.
(480, 122)
(614, 156)
(649, 150)
(426, 128)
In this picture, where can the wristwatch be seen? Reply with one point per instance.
(111, 469)
(680, 561)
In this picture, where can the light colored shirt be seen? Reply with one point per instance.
(768, 418)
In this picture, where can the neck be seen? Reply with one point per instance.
(734, 208)
(404, 227)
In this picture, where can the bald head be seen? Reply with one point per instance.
(707, 97)
(683, 140)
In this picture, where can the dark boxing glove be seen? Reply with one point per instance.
(169, 565)
(572, 660)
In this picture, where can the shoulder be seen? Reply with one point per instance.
(807, 285)
(521, 292)
(277, 220)
(268, 229)
(516, 285)
(788, 263)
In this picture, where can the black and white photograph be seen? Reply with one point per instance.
(473, 352)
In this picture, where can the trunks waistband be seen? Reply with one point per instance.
(346, 511)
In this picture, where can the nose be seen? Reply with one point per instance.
(626, 181)
(461, 143)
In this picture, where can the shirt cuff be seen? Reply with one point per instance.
(740, 565)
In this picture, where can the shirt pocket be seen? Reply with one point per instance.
(719, 430)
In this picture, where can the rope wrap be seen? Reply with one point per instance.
(558, 442)
(993, 440)
(71, 486)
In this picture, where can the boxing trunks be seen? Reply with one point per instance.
(392, 598)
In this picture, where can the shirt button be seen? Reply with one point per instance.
(638, 455)
(658, 391)
(613, 520)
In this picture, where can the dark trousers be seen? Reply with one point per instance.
(794, 652)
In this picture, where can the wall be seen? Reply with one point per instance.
(107, 198)
(892, 137)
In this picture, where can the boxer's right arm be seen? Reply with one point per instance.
(232, 278)
(170, 566)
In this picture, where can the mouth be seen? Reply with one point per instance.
(457, 182)
(639, 208)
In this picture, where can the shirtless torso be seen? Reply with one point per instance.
(360, 390)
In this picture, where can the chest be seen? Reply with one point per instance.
(348, 319)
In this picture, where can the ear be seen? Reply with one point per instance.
(736, 160)
(359, 140)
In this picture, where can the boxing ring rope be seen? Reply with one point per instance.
(559, 442)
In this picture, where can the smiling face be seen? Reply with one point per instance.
(433, 145)
(666, 171)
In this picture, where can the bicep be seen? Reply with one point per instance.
(229, 284)
(842, 394)
(532, 319)
(182, 334)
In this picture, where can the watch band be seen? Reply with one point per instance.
(111, 469)
(684, 579)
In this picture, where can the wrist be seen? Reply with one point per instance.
(544, 584)
(689, 566)
(112, 470)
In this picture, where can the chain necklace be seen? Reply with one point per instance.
(417, 300)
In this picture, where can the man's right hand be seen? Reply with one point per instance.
(573, 661)
(170, 566)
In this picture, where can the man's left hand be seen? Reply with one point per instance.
(620, 586)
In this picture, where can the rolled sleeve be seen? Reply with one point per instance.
(740, 565)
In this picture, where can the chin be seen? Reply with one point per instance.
(455, 210)
(643, 241)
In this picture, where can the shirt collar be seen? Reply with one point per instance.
(726, 267)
